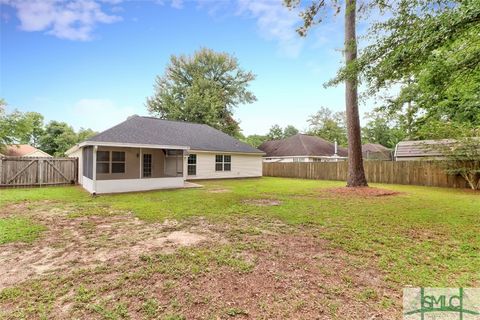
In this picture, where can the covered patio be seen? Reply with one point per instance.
(113, 168)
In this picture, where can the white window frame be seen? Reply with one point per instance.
(223, 162)
(194, 165)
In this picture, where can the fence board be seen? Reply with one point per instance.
(36, 171)
(421, 173)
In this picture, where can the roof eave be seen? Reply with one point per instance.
(130, 145)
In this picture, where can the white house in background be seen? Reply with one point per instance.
(24, 150)
(302, 148)
(145, 153)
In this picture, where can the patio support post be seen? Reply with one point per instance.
(140, 163)
(94, 168)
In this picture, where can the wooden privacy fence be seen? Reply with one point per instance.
(26, 171)
(421, 173)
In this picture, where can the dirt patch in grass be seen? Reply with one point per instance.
(285, 273)
(364, 192)
(219, 190)
(262, 202)
(88, 241)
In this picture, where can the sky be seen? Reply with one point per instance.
(93, 63)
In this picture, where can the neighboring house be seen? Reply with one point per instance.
(420, 150)
(302, 148)
(145, 153)
(376, 151)
(23, 150)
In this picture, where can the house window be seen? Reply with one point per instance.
(110, 162)
(147, 165)
(118, 162)
(192, 165)
(103, 161)
(223, 162)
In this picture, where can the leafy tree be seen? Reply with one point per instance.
(432, 50)
(462, 157)
(328, 125)
(275, 132)
(312, 14)
(203, 88)
(58, 138)
(5, 130)
(83, 134)
(255, 140)
(382, 129)
(30, 128)
(289, 131)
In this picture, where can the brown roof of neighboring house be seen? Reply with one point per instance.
(301, 145)
(374, 147)
(19, 150)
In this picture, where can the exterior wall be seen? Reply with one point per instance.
(88, 184)
(243, 166)
(133, 161)
(130, 185)
(174, 166)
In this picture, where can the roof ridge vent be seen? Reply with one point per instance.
(133, 116)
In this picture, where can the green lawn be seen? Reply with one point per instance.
(420, 237)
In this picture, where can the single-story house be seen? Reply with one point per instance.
(376, 151)
(420, 150)
(145, 153)
(302, 148)
(23, 150)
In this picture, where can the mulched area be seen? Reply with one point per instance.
(364, 192)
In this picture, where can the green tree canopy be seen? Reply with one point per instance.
(289, 131)
(203, 88)
(275, 132)
(382, 129)
(255, 140)
(58, 138)
(433, 53)
(328, 125)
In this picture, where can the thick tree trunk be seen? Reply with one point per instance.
(356, 173)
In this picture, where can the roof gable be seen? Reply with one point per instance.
(21, 150)
(154, 131)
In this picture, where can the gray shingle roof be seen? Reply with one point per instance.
(149, 130)
(421, 148)
(301, 145)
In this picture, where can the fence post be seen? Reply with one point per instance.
(1, 170)
(40, 171)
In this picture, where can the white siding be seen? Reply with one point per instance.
(243, 166)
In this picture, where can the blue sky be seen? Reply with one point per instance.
(93, 63)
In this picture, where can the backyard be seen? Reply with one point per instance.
(267, 248)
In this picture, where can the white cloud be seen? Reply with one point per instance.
(73, 20)
(99, 114)
(274, 22)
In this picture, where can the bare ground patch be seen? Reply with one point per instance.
(87, 241)
(219, 190)
(262, 202)
(292, 275)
